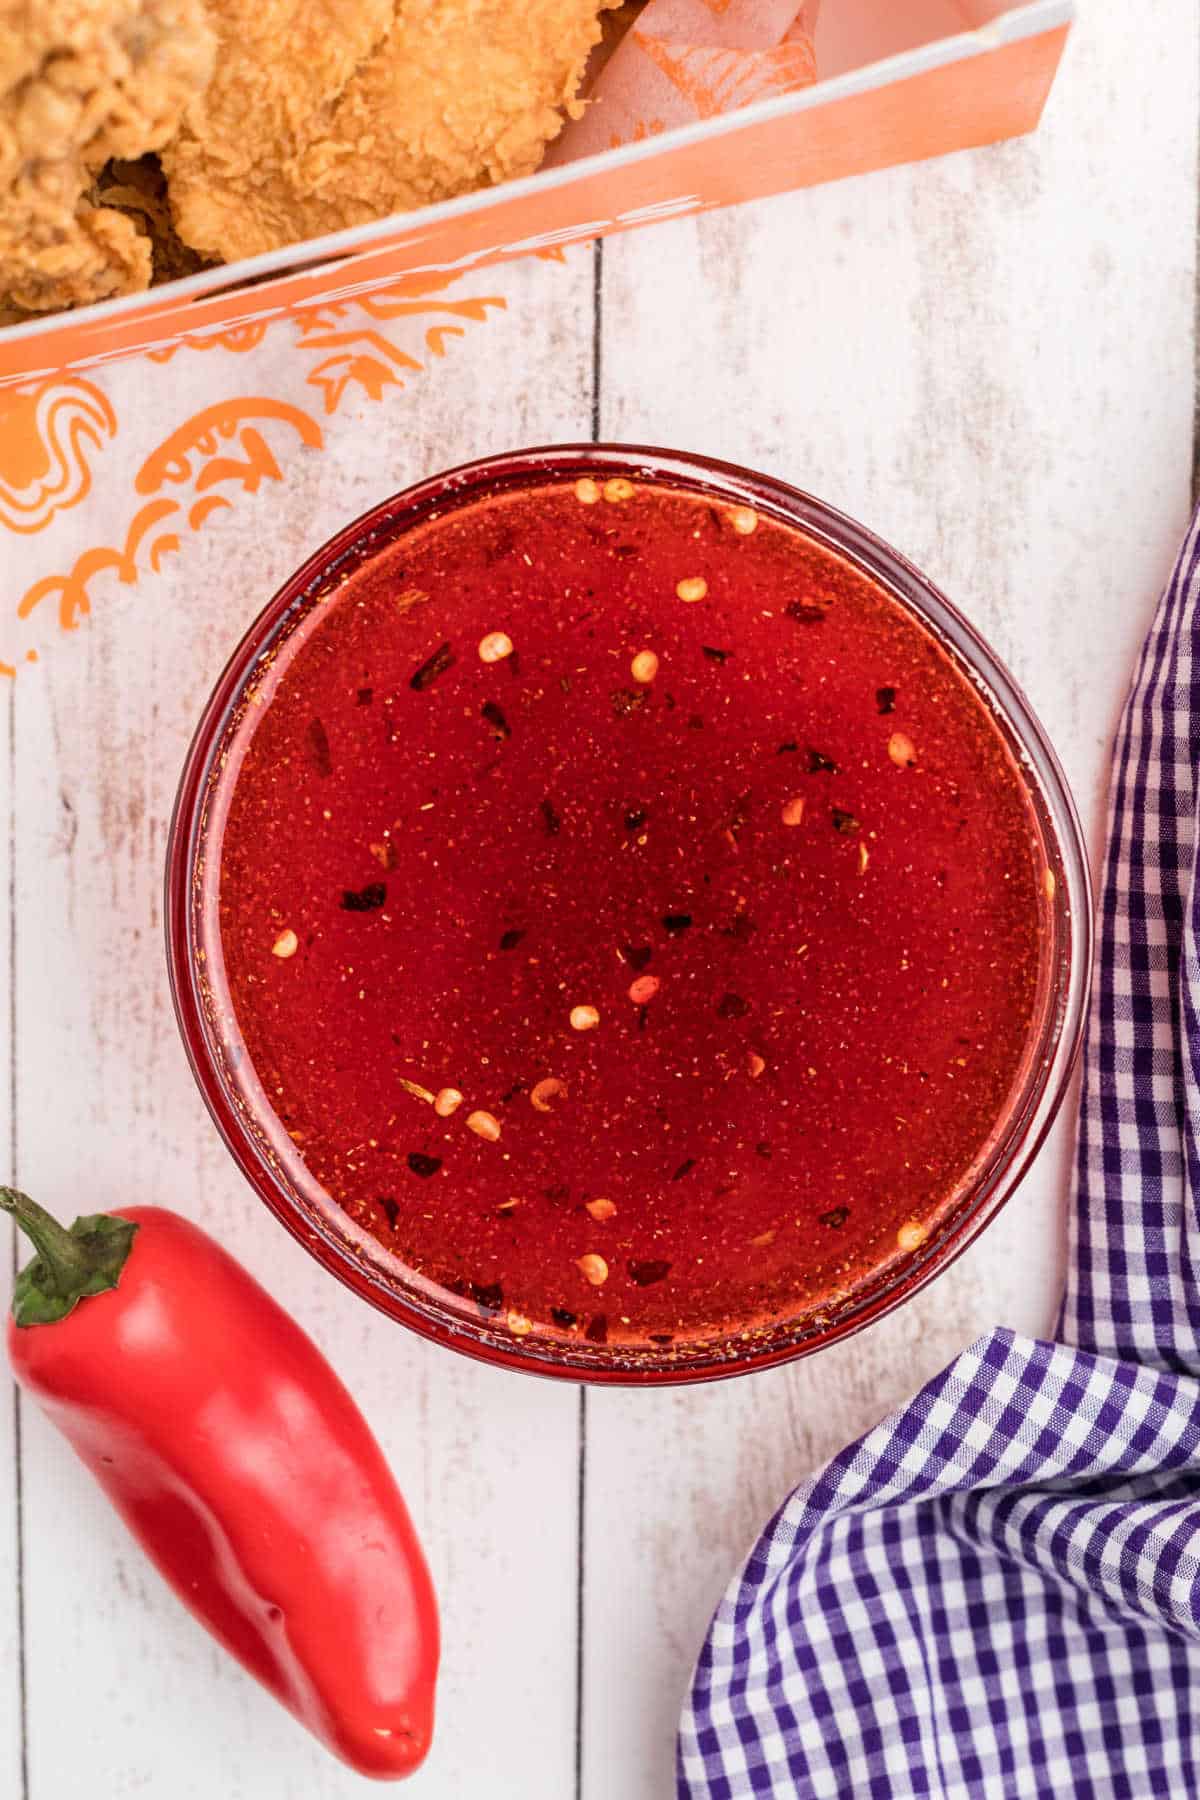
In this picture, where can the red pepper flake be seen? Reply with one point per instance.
(563, 1317)
(367, 899)
(511, 939)
(391, 1211)
(684, 1168)
(714, 655)
(836, 1217)
(763, 1150)
(637, 957)
(733, 1006)
(645, 1274)
(318, 743)
(496, 719)
(742, 929)
(423, 1165)
(820, 764)
(385, 854)
(597, 1331)
(628, 700)
(845, 822)
(806, 612)
(364, 696)
(788, 748)
(695, 723)
(661, 1337)
(739, 817)
(489, 1297)
(551, 819)
(442, 659)
(676, 922)
(885, 699)
(635, 818)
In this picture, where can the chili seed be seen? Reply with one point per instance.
(518, 1324)
(285, 945)
(744, 520)
(593, 1268)
(447, 1100)
(544, 1093)
(484, 1125)
(644, 666)
(584, 1018)
(618, 489)
(1049, 885)
(587, 491)
(692, 587)
(911, 1236)
(644, 989)
(754, 1064)
(495, 647)
(902, 750)
(864, 857)
(792, 811)
(600, 1209)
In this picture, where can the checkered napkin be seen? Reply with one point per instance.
(997, 1591)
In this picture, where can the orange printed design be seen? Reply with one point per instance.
(45, 435)
(238, 339)
(225, 446)
(71, 591)
(172, 464)
(715, 81)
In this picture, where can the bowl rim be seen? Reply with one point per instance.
(1060, 1032)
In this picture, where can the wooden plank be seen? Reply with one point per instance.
(108, 1111)
(11, 1609)
(989, 360)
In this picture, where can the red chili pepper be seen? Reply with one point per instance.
(239, 1461)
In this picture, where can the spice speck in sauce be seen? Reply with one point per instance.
(489, 861)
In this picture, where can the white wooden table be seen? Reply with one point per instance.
(991, 360)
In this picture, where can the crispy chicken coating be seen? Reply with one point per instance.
(82, 81)
(323, 115)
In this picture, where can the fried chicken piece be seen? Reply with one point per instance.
(82, 81)
(456, 94)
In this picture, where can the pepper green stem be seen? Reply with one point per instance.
(64, 1260)
(70, 1266)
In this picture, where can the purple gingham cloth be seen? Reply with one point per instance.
(997, 1591)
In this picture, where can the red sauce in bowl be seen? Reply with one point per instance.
(633, 914)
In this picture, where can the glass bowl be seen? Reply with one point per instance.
(244, 1117)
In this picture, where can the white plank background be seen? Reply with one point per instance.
(990, 359)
